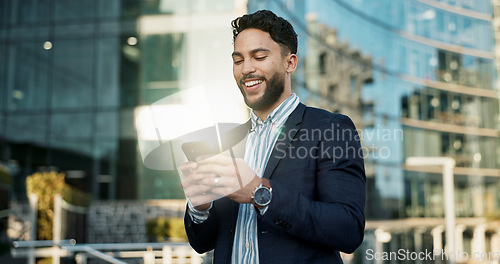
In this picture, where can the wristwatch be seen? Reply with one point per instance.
(262, 194)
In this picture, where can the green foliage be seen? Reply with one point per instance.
(75, 196)
(163, 229)
(44, 261)
(494, 216)
(157, 229)
(5, 177)
(177, 229)
(45, 185)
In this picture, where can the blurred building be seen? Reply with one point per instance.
(434, 93)
(73, 73)
(334, 77)
(335, 73)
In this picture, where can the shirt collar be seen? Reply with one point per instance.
(279, 115)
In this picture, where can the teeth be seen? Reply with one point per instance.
(252, 83)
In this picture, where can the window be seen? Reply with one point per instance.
(323, 63)
(332, 88)
(353, 84)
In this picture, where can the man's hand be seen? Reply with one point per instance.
(244, 195)
(217, 176)
(195, 188)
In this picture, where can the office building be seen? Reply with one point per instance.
(74, 73)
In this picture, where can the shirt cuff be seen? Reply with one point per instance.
(262, 210)
(198, 216)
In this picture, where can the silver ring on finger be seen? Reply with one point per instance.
(216, 180)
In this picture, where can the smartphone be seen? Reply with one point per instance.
(194, 149)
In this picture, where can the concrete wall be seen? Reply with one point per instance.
(107, 221)
(125, 221)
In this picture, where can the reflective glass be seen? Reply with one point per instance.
(159, 184)
(163, 58)
(3, 76)
(28, 83)
(108, 71)
(74, 10)
(74, 74)
(185, 7)
(4, 11)
(474, 5)
(28, 11)
(67, 152)
(77, 126)
(2, 130)
(108, 124)
(29, 129)
(425, 195)
(109, 8)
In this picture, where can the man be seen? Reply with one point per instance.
(303, 195)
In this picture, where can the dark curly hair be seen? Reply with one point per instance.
(280, 30)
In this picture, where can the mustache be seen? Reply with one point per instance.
(251, 76)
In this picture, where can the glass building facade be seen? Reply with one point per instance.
(434, 94)
(73, 73)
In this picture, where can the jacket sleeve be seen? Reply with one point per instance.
(201, 236)
(333, 216)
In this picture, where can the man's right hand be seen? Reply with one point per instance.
(196, 189)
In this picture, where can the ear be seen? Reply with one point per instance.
(291, 62)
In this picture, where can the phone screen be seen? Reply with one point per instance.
(194, 149)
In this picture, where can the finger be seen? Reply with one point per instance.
(221, 164)
(214, 168)
(228, 176)
(203, 157)
(203, 199)
(192, 179)
(195, 190)
(228, 181)
(201, 194)
(225, 190)
(220, 158)
(210, 179)
(205, 182)
(190, 165)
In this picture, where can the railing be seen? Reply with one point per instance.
(70, 221)
(66, 216)
(151, 253)
(40, 248)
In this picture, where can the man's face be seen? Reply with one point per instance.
(259, 68)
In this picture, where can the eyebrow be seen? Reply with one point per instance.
(236, 53)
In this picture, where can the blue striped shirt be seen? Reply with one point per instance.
(259, 145)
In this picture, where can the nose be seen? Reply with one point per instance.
(248, 67)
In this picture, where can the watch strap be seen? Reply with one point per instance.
(266, 183)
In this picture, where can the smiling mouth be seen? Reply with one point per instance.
(252, 83)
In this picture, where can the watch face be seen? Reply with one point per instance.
(262, 196)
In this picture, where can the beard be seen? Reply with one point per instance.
(274, 89)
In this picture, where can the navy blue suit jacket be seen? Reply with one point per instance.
(317, 176)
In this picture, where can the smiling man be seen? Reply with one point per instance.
(293, 208)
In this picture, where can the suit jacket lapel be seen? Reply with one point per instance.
(288, 132)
